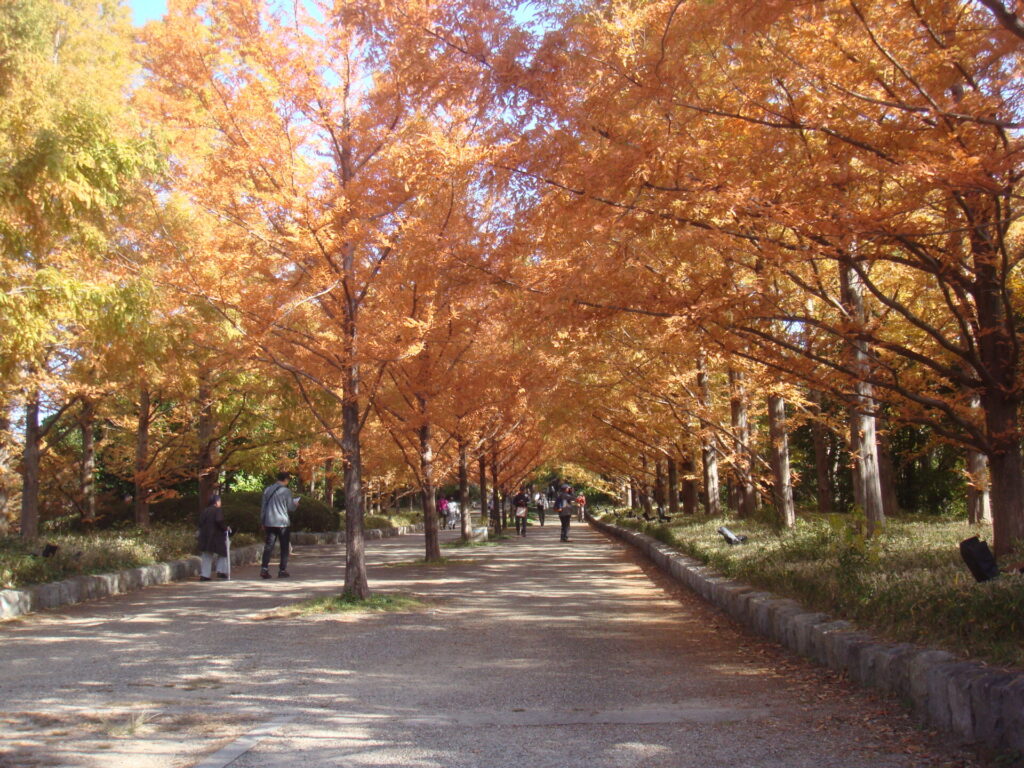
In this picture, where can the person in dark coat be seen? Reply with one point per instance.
(520, 503)
(213, 540)
(565, 506)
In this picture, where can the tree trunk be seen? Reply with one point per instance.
(689, 486)
(854, 440)
(999, 357)
(673, 487)
(496, 513)
(141, 479)
(87, 477)
(645, 489)
(732, 492)
(887, 475)
(466, 521)
(745, 491)
(1007, 472)
(329, 482)
(431, 534)
(30, 469)
(356, 583)
(6, 456)
(634, 497)
(819, 436)
(659, 487)
(482, 470)
(979, 509)
(709, 455)
(862, 428)
(206, 469)
(783, 488)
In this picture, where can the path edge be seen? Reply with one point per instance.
(978, 704)
(79, 589)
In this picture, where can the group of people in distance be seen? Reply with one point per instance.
(448, 512)
(279, 502)
(561, 497)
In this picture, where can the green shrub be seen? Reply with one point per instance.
(379, 521)
(242, 513)
(906, 584)
(404, 517)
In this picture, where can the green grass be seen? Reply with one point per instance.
(422, 561)
(99, 552)
(242, 512)
(379, 602)
(493, 541)
(908, 584)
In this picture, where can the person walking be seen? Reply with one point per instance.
(581, 506)
(563, 506)
(275, 520)
(213, 540)
(542, 508)
(520, 504)
(442, 511)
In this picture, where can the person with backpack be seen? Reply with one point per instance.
(563, 506)
(520, 504)
(275, 520)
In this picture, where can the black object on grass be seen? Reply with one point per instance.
(731, 538)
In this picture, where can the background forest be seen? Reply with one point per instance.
(745, 257)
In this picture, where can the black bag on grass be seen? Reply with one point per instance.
(979, 559)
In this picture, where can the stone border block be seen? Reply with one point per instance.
(819, 637)
(842, 649)
(731, 595)
(961, 713)
(782, 615)
(1013, 712)
(71, 591)
(800, 631)
(14, 602)
(920, 669)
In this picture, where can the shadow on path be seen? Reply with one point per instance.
(535, 653)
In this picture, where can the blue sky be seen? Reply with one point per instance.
(146, 10)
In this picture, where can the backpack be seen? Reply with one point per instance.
(979, 559)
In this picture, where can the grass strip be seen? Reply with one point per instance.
(422, 561)
(99, 552)
(462, 544)
(378, 602)
(907, 584)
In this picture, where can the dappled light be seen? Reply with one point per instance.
(527, 637)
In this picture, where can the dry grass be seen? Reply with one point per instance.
(907, 584)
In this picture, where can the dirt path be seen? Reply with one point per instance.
(531, 654)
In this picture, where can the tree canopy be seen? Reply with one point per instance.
(641, 243)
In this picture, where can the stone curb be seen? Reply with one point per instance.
(78, 589)
(978, 704)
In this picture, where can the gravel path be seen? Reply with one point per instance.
(530, 654)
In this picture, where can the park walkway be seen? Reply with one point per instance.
(532, 654)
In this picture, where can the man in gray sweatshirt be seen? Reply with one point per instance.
(278, 504)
